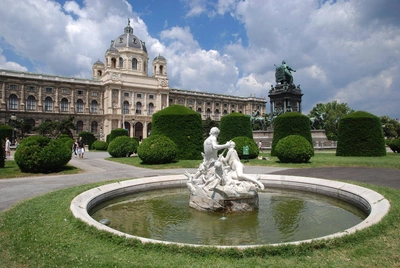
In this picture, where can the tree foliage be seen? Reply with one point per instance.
(391, 127)
(334, 111)
(53, 129)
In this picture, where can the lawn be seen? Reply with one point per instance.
(41, 232)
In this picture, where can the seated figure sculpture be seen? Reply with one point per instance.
(220, 183)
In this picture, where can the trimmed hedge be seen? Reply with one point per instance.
(100, 145)
(292, 123)
(234, 125)
(246, 141)
(122, 146)
(116, 133)
(360, 134)
(157, 149)
(39, 154)
(5, 131)
(184, 127)
(394, 145)
(294, 149)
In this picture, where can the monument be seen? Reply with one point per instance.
(220, 183)
(285, 96)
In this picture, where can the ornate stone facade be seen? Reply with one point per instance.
(120, 94)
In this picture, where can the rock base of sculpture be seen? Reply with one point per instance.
(233, 198)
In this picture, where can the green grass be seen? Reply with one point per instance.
(11, 170)
(41, 232)
(321, 159)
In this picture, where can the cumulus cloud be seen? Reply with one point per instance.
(342, 50)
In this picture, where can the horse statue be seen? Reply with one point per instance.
(283, 74)
(256, 118)
(318, 120)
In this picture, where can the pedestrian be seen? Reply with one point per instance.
(260, 146)
(8, 147)
(75, 147)
(81, 147)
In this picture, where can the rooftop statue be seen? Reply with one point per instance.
(283, 74)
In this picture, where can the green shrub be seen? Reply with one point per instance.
(122, 146)
(157, 149)
(118, 132)
(184, 127)
(246, 141)
(88, 138)
(39, 154)
(294, 149)
(394, 145)
(360, 134)
(69, 142)
(5, 131)
(100, 145)
(292, 123)
(234, 125)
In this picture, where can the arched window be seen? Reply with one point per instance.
(134, 64)
(13, 102)
(79, 106)
(93, 127)
(216, 114)
(121, 63)
(161, 69)
(125, 107)
(99, 73)
(208, 113)
(94, 107)
(79, 127)
(225, 112)
(64, 105)
(199, 110)
(151, 109)
(31, 103)
(138, 107)
(113, 63)
(48, 104)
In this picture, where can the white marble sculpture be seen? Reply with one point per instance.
(219, 183)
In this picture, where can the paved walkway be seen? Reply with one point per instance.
(96, 169)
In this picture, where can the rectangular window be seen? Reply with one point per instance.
(31, 88)
(13, 87)
(49, 89)
(80, 92)
(139, 96)
(126, 94)
(65, 91)
(151, 97)
(94, 94)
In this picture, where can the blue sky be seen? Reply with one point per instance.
(344, 50)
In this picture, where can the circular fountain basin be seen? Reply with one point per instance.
(372, 203)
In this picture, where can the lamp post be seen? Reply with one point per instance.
(13, 118)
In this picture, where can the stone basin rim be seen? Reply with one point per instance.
(376, 205)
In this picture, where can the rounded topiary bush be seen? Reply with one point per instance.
(157, 149)
(122, 146)
(234, 125)
(294, 149)
(116, 133)
(88, 138)
(360, 134)
(40, 154)
(100, 145)
(246, 141)
(394, 145)
(184, 127)
(292, 123)
(68, 142)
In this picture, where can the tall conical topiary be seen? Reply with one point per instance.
(184, 127)
(292, 123)
(234, 125)
(360, 134)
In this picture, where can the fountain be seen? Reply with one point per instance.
(221, 186)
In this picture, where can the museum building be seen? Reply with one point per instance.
(120, 94)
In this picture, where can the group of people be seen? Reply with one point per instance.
(78, 148)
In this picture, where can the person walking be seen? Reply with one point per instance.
(75, 147)
(260, 146)
(8, 147)
(81, 147)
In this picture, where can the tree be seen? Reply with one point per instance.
(334, 111)
(23, 127)
(391, 127)
(207, 125)
(53, 129)
(66, 125)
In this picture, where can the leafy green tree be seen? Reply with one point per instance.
(207, 125)
(67, 125)
(53, 129)
(391, 127)
(23, 127)
(334, 111)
